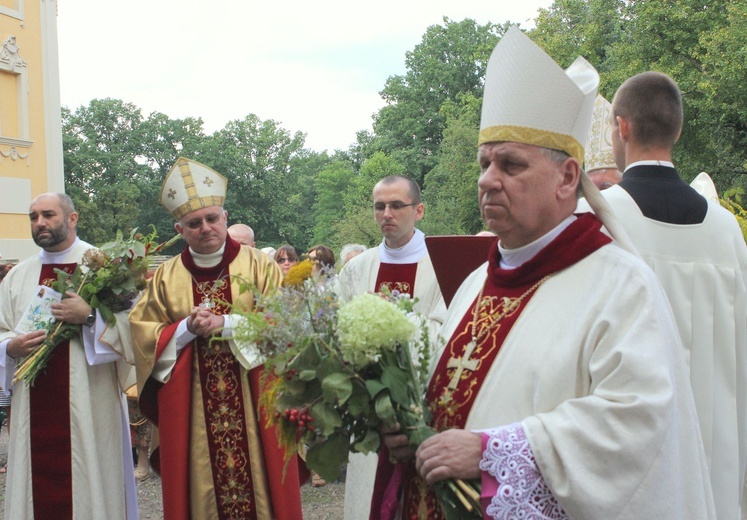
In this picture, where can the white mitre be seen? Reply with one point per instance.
(598, 154)
(190, 186)
(530, 99)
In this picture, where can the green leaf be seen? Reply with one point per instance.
(359, 403)
(337, 388)
(370, 443)
(374, 387)
(396, 380)
(325, 418)
(328, 456)
(385, 410)
(307, 375)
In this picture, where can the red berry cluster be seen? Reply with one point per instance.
(301, 419)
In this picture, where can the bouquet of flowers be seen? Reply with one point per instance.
(109, 279)
(335, 373)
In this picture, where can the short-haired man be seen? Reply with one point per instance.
(215, 457)
(697, 251)
(69, 453)
(563, 384)
(242, 234)
(400, 263)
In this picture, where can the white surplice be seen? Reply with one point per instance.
(101, 367)
(593, 370)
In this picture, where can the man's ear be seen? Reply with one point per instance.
(178, 227)
(73, 218)
(570, 171)
(623, 127)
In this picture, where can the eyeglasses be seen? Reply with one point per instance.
(197, 223)
(284, 259)
(396, 205)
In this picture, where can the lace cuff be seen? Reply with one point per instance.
(519, 490)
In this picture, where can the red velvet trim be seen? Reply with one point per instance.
(397, 277)
(49, 416)
(174, 405)
(168, 407)
(285, 493)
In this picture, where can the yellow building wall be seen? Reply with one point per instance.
(30, 120)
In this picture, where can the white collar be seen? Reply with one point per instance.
(410, 253)
(513, 258)
(56, 257)
(650, 163)
(208, 260)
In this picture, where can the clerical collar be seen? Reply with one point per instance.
(208, 260)
(56, 257)
(410, 253)
(513, 258)
(668, 164)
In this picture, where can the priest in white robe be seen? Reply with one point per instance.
(563, 383)
(400, 263)
(70, 453)
(698, 253)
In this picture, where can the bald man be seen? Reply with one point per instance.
(242, 234)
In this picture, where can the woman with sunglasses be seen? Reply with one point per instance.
(286, 257)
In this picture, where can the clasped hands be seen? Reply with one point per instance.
(202, 322)
(71, 309)
(449, 454)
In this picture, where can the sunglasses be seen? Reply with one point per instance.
(284, 259)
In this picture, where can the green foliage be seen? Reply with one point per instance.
(115, 158)
(449, 61)
(450, 192)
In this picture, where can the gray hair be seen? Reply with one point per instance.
(350, 248)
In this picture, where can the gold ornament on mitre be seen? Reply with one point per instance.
(530, 99)
(190, 186)
(598, 154)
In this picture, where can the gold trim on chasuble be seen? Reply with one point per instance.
(459, 374)
(229, 452)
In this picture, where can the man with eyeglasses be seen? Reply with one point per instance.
(215, 456)
(400, 263)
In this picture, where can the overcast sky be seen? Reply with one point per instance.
(315, 67)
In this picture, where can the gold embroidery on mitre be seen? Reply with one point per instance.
(533, 136)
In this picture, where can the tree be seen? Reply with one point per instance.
(255, 156)
(450, 192)
(331, 182)
(450, 60)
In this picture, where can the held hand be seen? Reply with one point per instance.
(204, 323)
(450, 454)
(23, 345)
(397, 444)
(72, 309)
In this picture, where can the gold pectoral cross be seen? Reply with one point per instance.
(462, 364)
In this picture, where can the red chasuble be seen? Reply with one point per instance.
(463, 366)
(49, 413)
(397, 277)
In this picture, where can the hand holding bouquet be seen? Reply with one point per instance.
(108, 279)
(336, 373)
